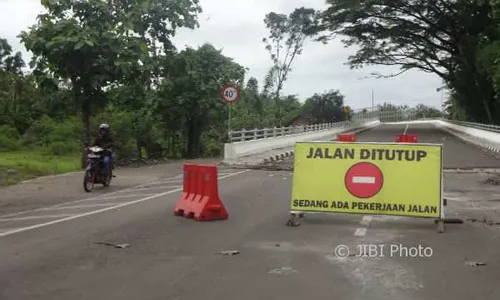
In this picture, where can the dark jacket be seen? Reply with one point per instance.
(105, 142)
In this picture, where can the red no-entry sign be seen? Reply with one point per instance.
(364, 180)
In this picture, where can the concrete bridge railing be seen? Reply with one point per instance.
(256, 142)
(245, 143)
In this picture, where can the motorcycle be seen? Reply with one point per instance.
(95, 173)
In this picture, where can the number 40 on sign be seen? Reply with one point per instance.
(230, 93)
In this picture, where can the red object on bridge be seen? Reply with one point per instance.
(346, 138)
(200, 195)
(407, 138)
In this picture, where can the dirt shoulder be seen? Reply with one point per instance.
(52, 190)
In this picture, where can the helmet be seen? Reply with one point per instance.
(104, 126)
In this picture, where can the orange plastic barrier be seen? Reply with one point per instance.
(407, 138)
(200, 196)
(346, 138)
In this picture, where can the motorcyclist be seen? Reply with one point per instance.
(105, 141)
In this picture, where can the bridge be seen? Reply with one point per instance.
(56, 242)
(267, 145)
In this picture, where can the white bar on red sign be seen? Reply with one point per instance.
(363, 179)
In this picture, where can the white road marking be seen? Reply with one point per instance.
(10, 232)
(80, 206)
(177, 181)
(36, 217)
(106, 197)
(363, 179)
(159, 187)
(82, 200)
(406, 128)
(359, 232)
(130, 189)
(365, 221)
(50, 176)
(8, 229)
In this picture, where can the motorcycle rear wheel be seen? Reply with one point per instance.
(88, 185)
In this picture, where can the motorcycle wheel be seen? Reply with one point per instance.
(88, 183)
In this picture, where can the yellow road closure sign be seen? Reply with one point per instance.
(368, 178)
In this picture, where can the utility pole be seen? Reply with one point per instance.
(441, 89)
(442, 99)
(373, 100)
(373, 103)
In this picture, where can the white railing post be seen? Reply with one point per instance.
(255, 133)
(242, 137)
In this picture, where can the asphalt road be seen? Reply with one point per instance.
(175, 258)
(457, 153)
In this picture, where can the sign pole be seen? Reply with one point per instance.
(230, 93)
(229, 135)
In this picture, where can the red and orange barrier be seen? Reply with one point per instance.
(407, 138)
(200, 195)
(346, 138)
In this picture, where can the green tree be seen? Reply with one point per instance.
(78, 41)
(441, 37)
(453, 110)
(290, 107)
(254, 96)
(489, 55)
(249, 112)
(17, 90)
(325, 107)
(424, 111)
(156, 23)
(8, 62)
(190, 92)
(95, 43)
(284, 43)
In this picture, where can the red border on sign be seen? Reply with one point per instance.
(370, 165)
(234, 86)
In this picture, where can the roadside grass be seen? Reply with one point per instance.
(18, 166)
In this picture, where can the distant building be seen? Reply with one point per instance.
(302, 120)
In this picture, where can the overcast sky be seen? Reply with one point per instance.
(237, 27)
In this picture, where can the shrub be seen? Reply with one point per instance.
(9, 139)
(62, 148)
(213, 148)
(48, 131)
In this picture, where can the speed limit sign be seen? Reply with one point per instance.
(230, 93)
